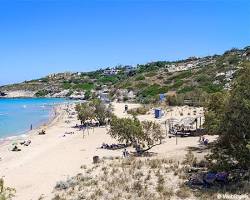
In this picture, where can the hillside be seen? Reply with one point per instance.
(190, 78)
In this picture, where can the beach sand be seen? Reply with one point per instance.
(34, 171)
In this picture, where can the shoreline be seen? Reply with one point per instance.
(56, 111)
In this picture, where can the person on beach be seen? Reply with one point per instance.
(126, 108)
(31, 127)
(125, 153)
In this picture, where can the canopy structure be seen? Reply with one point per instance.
(186, 123)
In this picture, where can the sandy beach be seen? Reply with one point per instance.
(52, 157)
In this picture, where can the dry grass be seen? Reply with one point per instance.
(140, 179)
(6, 193)
(121, 179)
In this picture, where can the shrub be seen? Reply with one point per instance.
(183, 193)
(141, 85)
(125, 85)
(151, 90)
(181, 75)
(41, 93)
(211, 88)
(66, 85)
(151, 74)
(138, 111)
(189, 159)
(140, 78)
(6, 193)
(177, 84)
(186, 89)
(84, 86)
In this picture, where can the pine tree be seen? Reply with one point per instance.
(232, 148)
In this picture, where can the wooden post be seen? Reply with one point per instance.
(200, 122)
(166, 128)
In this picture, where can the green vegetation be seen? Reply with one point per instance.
(41, 93)
(93, 110)
(141, 85)
(151, 74)
(186, 89)
(115, 178)
(147, 134)
(148, 80)
(229, 116)
(84, 86)
(211, 88)
(138, 111)
(178, 83)
(140, 78)
(125, 84)
(108, 80)
(181, 75)
(153, 90)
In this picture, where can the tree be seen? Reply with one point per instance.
(101, 111)
(152, 134)
(125, 129)
(171, 100)
(94, 110)
(147, 134)
(232, 147)
(87, 94)
(215, 108)
(85, 112)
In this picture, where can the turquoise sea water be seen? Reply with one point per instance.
(17, 115)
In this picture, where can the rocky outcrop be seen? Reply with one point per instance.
(2, 94)
(18, 94)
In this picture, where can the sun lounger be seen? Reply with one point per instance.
(26, 142)
(70, 133)
(15, 148)
(112, 146)
(222, 178)
(208, 179)
(42, 132)
(196, 179)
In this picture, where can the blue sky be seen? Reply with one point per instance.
(38, 37)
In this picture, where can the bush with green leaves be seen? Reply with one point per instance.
(138, 111)
(186, 89)
(151, 74)
(147, 134)
(229, 117)
(41, 93)
(140, 77)
(93, 110)
(84, 86)
(153, 90)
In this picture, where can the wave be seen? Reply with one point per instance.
(14, 137)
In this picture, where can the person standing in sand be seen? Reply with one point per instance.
(125, 153)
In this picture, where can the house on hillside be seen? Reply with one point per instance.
(110, 72)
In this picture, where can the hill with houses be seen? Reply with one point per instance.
(188, 80)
